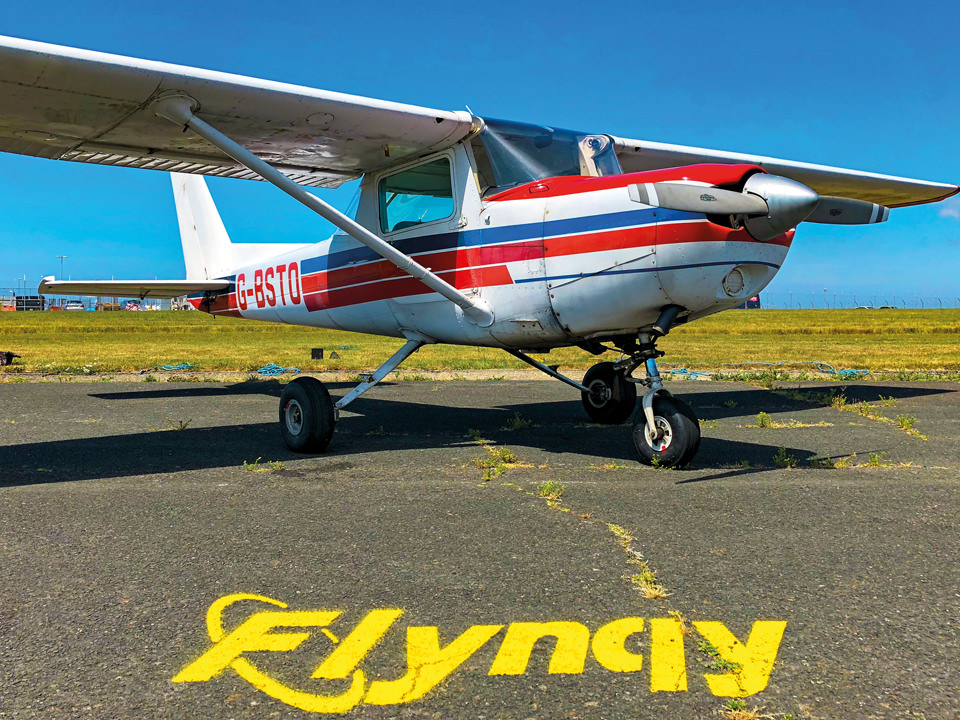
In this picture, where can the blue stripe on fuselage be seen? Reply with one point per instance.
(492, 236)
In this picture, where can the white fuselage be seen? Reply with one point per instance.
(559, 261)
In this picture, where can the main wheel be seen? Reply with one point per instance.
(680, 438)
(306, 415)
(611, 397)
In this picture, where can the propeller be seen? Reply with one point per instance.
(768, 206)
(845, 211)
(700, 199)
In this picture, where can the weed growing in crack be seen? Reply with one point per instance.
(685, 628)
(717, 662)
(270, 465)
(906, 421)
(493, 472)
(737, 709)
(782, 460)
(477, 437)
(517, 422)
(646, 582)
(551, 490)
(845, 462)
(612, 465)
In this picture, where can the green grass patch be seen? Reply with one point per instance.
(906, 344)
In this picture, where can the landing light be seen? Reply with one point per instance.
(733, 283)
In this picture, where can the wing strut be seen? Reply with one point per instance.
(179, 109)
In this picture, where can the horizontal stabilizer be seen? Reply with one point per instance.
(130, 288)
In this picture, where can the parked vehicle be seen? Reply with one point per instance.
(74, 305)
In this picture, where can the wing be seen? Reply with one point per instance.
(886, 190)
(130, 288)
(85, 106)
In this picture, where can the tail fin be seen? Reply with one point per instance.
(207, 251)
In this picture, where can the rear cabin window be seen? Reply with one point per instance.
(422, 194)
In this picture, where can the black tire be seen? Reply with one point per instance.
(681, 438)
(612, 398)
(306, 416)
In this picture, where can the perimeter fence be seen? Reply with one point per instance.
(838, 301)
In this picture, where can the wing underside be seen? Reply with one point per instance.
(70, 104)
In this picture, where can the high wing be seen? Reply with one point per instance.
(85, 106)
(130, 288)
(885, 190)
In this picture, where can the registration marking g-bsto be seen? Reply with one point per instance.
(277, 284)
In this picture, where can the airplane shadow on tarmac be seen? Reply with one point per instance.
(377, 425)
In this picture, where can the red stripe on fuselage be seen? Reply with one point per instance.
(222, 305)
(462, 278)
(460, 259)
(713, 174)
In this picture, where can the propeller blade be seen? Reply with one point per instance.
(845, 211)
(699, 199)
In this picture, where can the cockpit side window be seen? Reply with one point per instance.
(416, 196)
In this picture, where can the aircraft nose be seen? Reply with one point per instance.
(788, 204)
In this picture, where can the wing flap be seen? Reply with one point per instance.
(887, 190)
(130, 288)
(60, 102)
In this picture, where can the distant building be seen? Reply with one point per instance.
(751, 304)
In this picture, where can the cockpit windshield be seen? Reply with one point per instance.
(511, 153)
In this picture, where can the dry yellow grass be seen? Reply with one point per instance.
(115, 342)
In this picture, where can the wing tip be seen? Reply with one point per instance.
(939, 198)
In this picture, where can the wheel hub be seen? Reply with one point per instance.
(665, 432)
(293, 416)
(600, 393)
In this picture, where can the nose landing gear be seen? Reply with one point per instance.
(667, 432)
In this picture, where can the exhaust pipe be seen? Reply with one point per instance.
(667, 317)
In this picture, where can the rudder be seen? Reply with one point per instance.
(207, 252)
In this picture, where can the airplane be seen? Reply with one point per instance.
(469, 230)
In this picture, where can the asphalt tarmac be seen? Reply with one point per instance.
(147, 572)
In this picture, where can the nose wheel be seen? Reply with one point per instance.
(610, 398)
(666, 433)
(674, 437)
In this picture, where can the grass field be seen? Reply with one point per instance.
(103, 343)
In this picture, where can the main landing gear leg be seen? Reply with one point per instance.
(307, 414)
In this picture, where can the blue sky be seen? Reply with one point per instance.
(871, 86)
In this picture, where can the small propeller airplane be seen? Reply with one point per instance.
(469, 230)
